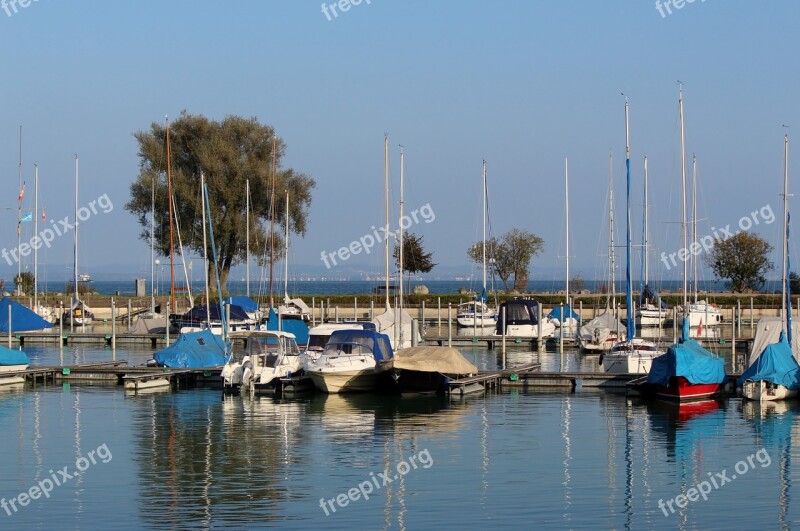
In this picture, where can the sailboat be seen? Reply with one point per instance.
(78, 314)
(477, 313)
(702, 315)
(774, 372)
(604, 331)
(633, 355)
(651, 310)
(564, 316)
(291, 308)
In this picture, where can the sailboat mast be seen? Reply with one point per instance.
(694, 220)
(386, 207)
(286, 255)
(784, 273)
(272, 226)
(611, 262)
(19, 215)
(631, 331)
(173, 304)
(247, 234)
(566, 194)
(75, 250)
(683, 189)
(36, 231)
(646, 236)
(400, 243)
(152, 244)
(205, 247)
(484, 229)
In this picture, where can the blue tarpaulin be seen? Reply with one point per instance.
(193, 350)
(12, 357)
(776, 364)
(298, 327)
(246, 303)
(22, 318)
(690, 360)
(558, 311)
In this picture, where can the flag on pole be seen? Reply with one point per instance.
(700, 328)
(44, 215)
(21, 193)
(27, 217)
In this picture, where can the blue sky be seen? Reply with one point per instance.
(523, 84)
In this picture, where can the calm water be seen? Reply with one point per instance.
(189, 458)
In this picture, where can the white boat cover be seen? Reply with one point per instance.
(768, 331)
(444, 360)
(599, 328)
(385, 324)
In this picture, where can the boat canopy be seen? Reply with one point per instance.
(245, 303)
(377, 344)
(22, 318)
(518, 312)
(565, 310)
(193, 350)
(768, 330)
(690, 360)
(200, 313)
(443, 360)
(12, 357)
(776, 364)
(385, 323)
(648, 296)
(297, 327)
(601, 327)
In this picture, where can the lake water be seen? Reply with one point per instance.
(556, 460)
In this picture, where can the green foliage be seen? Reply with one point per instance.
(228, 153)
(794, 283)
(742, 259)
(25, 282)
(511, 254)
(415, 259)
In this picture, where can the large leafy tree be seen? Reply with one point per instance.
(742, 260)
(415, 259)
(228, 153)
(512, 254)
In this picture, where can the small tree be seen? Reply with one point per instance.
(24, 282)
(415, 259)
(512, 255)
(742, 260)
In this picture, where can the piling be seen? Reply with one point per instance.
(733, 340)
(438, 312)
(9, 326)
(674, 325)
(129, 314)
(60, 325)
(414, 337)
(560, 332)
(167, 327)
(422, 314)
(539, 340)
(114, 324)
(355, 308)
(371, 310)
(580, 315)
(449, 325)
(336, 314)
(739, 317)
(313, 311)
(752, 322)
(83, 316)
(503, 317)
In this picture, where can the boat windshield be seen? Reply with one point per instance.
(356, 348)
(317, 341)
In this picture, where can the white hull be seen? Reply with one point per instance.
(704, 313)
(158, 383)
(476, 321)
(631, 357)
(334, 382)
(650, 317)
(762, 391)
(12, 368)
(532, 331)
(11, 380)
(591, 345)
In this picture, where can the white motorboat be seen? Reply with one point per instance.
(348, 363)
(266, 357)
(476, 314)
(634, 356)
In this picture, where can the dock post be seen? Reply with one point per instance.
(503, 317)
(129, 314)
(675, 325)
(328, 312)
(336, 314)
(739, 317)
(540, 338)
(355, 308)
(733, 341)
(580, 315)
(414, 325)
(9, 326)
(113, 327)
(167, 327)
(561, 331)
(752, 326)
(83, 316)
(449, 325)
(438, 312)
(422, 314)
(60, 324)
(371, 310)
(313, 312)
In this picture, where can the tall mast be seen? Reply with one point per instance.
(386, 205)
(205, 247)
(19, 214)
(286, 255)
(611, 262)
(400, 243)
(36, 231)
(171, 213)
(75, 243)
(152, 244)
(646, 236)
(631, 330)
(683, 188)
(247, 232)
(566, 194)
(694, 219)
(785, 250)
(272, 226)
(483, 294)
